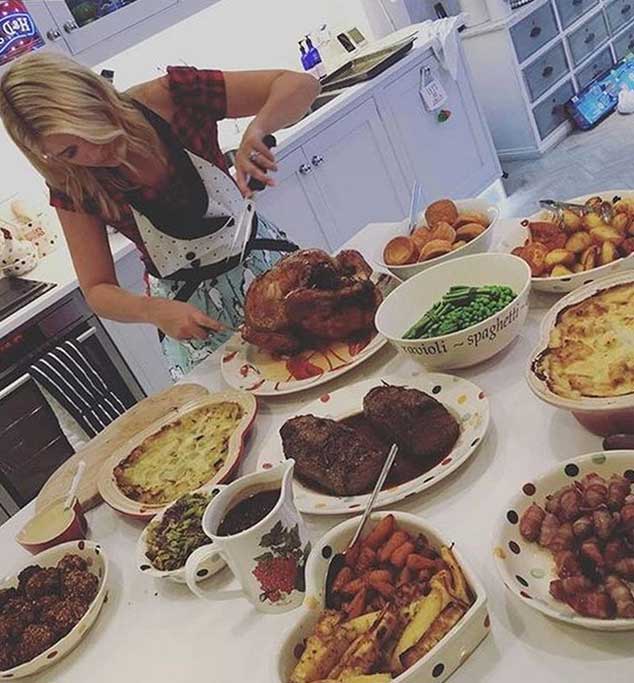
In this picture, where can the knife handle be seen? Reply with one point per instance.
(254, 184)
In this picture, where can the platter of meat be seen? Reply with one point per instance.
(340, 442)
(565, 545)
(308, 320)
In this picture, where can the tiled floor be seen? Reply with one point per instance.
(585, 162)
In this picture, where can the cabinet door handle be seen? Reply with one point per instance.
(7, 391)
(317, 160)
(626, 9)
(547, 72)
(53, 34)
(305, 169)
(536, 31)
(589, 38)
(86, 335)
(70, 26)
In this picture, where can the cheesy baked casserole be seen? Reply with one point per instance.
(181, 456)
(591, 347)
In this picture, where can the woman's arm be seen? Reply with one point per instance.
(277, 99)
(87, 241)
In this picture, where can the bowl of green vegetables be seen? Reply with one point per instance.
(458, 314)
(173, 535)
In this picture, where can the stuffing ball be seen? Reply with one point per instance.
(63, 616)
(25, 575)
(45, 603)
(80, 585)
(36, 639)
(7, 660)
(45, 582)
(6, 595)
(19, 613)
(72, 562)
(5, 630)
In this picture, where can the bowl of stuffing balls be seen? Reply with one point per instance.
(445, 230)
(49, 606)
(460, 313)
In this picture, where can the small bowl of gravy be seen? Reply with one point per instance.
(52, 526)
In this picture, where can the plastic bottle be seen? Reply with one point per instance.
(315, 59)
(304, 57)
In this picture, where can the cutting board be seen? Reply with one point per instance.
(116, 435)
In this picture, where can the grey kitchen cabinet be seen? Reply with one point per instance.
(295, 204)
(453, 157)
(356, 171)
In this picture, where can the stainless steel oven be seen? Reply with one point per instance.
(32, 445)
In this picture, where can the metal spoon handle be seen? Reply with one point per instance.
(387, 466)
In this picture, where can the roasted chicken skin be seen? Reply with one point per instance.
(310, 297)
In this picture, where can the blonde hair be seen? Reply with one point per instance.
(45, 93)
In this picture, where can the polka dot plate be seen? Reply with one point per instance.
(464, 400)
(97, 562)
(436, 665)
(526, 568)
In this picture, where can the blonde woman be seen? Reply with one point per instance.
(147, 162)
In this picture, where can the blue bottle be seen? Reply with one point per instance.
(315, 59)
(304, 57)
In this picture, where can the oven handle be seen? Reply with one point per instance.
(26, 377)
(15, 385)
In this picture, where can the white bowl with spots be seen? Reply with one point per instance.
(441, 661)
(409, 302)
(464, 400)
(97, 562)
(526, 568)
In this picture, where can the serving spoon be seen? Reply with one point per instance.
(339, 560)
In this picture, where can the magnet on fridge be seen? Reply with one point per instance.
(444, 115)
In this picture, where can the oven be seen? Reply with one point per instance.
(32, 445)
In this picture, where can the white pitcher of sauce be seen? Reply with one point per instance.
(256, 529)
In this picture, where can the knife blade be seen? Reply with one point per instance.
(243, 227)
(560, 206)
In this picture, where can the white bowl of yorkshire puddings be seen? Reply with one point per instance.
(491, 291)
(583, 360)
(444, 231)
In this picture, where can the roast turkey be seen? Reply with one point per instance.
(309, 298)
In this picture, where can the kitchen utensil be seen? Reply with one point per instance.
(97, 561)
(386, 231)
(415, 206)
(515, 233)
(339, 560)
(463, 399)
(602, 416)
(446, 656)
(72, 493)
(554, 205)
(245, 221)
(527, 568)
(267, 558)
(107, 482)
(470, 346)
(99, 449)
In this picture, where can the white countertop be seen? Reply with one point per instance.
(57, 268)
(151, 630)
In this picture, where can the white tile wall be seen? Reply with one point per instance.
(231, 34)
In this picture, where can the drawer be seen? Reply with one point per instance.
(620, 13)
(624, 43)
(597, 65)
(544, 72)
(570, 10)
(534, 31)
(588, 38)
(551, 113)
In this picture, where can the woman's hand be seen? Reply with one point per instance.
(254, 159)
(181, 321)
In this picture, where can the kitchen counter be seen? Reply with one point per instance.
(57, 268)
(230, 139)
(156, 630)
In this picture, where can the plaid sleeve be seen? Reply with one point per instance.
(198, 89)
(60, 200)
